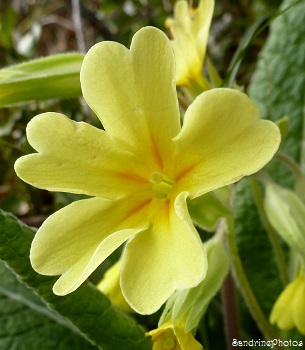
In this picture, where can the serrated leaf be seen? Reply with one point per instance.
(278, 86)
(279, 89)
(27, 323)
(87, 308)
(44, 78)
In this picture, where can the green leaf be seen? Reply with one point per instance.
(279, 89)
(241, 50)
(87, 308)
(245, 41)
(27, 323)
(44, 78)
(278, 86)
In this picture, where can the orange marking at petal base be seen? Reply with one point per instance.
(167, 210)
(138, 208)
(132, 177)
(156, 153)
(185, 172)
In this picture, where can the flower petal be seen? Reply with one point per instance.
(222, 140)
(167, 256)
(75, 240)
(78, 158)
(298, 308)
(133, 92)
(202, 23)
(187, 340)
(188, 60)
(168, 335)
(281, 313)
(190, 30)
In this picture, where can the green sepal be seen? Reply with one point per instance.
(286, 213)
(44, 78)
(214, 77)
(87, 308)
(300, 187)
(283, 124)
(188, 306)
(207, 209)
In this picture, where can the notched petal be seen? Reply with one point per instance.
(133, 91)
(75, 240)
(222, 140)
(79, 158)
(166, 257)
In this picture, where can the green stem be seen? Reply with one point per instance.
(244, 285)
(291, 163)
(196, 86)
(272, 235)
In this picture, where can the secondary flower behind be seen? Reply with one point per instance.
(190, 30)
(172, 336)
(139, 171)
(289, 309)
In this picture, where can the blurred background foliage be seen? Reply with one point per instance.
(31, 29)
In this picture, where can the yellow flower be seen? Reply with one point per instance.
(289, 309)
(172, 337)
(110, 286)
(139, 171)
(190, 29)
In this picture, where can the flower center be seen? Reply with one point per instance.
(169, 344)
(161, 184)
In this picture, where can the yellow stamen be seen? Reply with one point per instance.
(161, 184)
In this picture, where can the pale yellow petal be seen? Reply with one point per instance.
(164, 338)
(190, 29)
(110, 286)
(222, 140)
(188, 60)
(172, 336)
(133, 92)
(167, 256)
(78, 158)
(187, 340)
(281, 313)
(202, 23)
(298, 308)
(75, 240)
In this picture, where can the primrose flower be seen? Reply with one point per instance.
(190, 29)
(289, 309)
(139, 171)
(170, 336)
